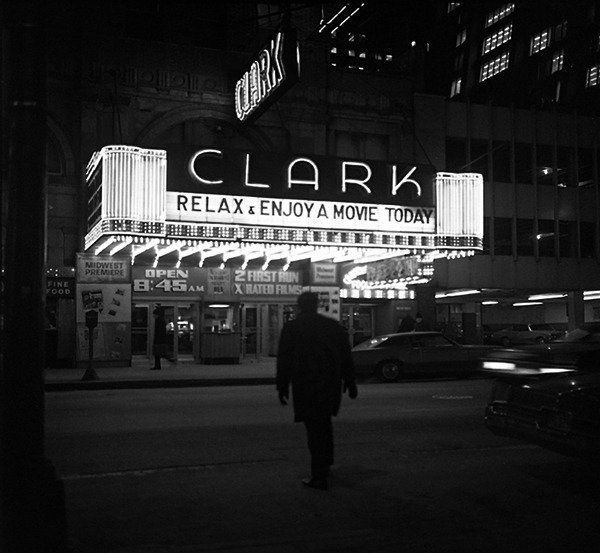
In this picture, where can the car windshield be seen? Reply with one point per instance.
(586, 333)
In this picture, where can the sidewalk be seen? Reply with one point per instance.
(248, 372)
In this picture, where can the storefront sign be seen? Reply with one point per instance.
(58, 287)
(266, 283)
(323, 273)
(104, 286)
(103, 268)
(391, 269)
(274, 70)
(203, 282)
(329, 300)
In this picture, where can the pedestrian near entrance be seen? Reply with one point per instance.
(407, 324)
(420, 323)
(160, 345)
(314, 357)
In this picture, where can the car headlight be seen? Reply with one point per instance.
(498, 366)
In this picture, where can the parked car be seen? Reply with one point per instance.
(561, 413)
(530, 333)
(578, 350)
(392, 356)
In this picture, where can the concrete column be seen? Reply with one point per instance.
(471, 322)
(575, 309)
(425, 302)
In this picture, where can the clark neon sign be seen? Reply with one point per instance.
(216, 171)
(274, 70)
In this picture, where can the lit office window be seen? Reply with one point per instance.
(539, 42)
(455, 87)
(333, 50)
(493, 67)
(461, 37)
(557, 61)
(388, 57)
(591, 79)
(494, 40)
(351, 53)
(499, 13)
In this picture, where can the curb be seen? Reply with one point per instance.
(142, 384)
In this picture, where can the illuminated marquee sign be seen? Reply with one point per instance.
(274, 70)
(268, 189)
(139, 201)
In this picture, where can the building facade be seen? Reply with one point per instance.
(164, 91)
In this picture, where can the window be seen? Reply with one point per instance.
(545, 238)
(525, 237)
(587, 238)
(499, 13)
(456, 154)
(459, 62)
(493, 67)
(502, 236)
(523, 162)
(591, 78)
(539, 42)
(455, 88)
(560, 31)
(497, 39)
(557, 61)
(461, 37)
(501, 159)
(479, 157)
(567, 238)
(585, 167)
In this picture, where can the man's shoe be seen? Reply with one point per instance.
(317, 483)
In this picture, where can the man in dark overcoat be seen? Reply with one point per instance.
(314, 357)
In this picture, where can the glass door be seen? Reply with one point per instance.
(358, 322)
(181, 322)
(261, 327)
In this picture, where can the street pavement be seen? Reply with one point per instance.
(251, 371)
(218, 469)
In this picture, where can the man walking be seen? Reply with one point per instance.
(314, 356)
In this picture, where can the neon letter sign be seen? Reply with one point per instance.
(192, 168)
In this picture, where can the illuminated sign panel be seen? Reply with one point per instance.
(270, 189)
(141, 203)
(274, 175)
(274, 70)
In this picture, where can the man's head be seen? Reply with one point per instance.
(308, 302)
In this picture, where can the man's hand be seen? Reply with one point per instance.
(352, 389)
(283, 396)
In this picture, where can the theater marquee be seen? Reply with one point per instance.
(202, 201)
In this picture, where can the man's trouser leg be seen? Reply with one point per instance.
(319, 431)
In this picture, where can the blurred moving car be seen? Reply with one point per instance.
(579, 350)
(561, 413)
(530, 333)
(430, 353)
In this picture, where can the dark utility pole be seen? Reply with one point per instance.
(31, 496)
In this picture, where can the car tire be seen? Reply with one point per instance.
(505, 341)
(389, 371)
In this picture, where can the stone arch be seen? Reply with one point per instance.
(215, 125)
(60, 139)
